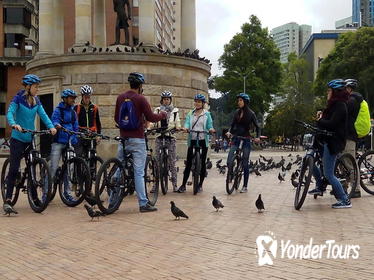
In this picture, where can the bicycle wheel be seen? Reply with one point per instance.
(164, 174)
(94, 165)
(151, 180)
(4, 175)
(55, 184)
(233, 175)
(39, 185)
(304, 181)
(366, 167)
(109, 185)
(347, 173)
(196, 172)
(74, 182)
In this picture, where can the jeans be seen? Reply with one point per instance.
(137, 147)
(17, 151)
(246, 148)
(56, 152)
(328, 162)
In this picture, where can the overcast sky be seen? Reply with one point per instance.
(219, 20)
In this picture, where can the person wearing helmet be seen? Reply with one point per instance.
(334, 119)
(88, 118)
(63, 116)
(21, 114)
(172, 121)
(353, 107)
(135, 142)
(244, 119)
(198, 119)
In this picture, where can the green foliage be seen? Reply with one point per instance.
(251, 54)
(352, 57)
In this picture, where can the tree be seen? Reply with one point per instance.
(250, 54)
(352, 57)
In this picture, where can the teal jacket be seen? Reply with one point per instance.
(208, 124)
(21, 113)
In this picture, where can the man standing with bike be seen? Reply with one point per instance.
(88, 119)
(21, 114)
(63, 116)
(139, 110)
(244, 119)
(172, 121)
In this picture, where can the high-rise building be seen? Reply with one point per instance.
(363, 12)
(18, 44)
(346, 23)
(290, 37)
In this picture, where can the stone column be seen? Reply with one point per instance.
(99, 23)
(188, 25)
(58, 31)
(83, 22)
(46, 27)
(147, 22)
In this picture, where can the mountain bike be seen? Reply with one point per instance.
(36, 175)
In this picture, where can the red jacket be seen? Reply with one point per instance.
(143, 111)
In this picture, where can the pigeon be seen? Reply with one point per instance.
(72, 50)
(100, 49)
(144, 50)
(209, 164)
(152, 51)
(9, 209)
(140, 44)
(217, 204)
(94, 49)
(84, 50)
(260, 204)
(294, 175)
(87, 43)
(218, 163)
(176, 211)
(118, 49)
(222, 169)
(281, 177)
(93, 213)
(257, 172)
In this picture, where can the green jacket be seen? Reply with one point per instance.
(208, 124)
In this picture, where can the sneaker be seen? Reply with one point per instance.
(316, 191)
(342, 204)
(200, 189)
(244, 190)
(147, 208)
(356, 194)
(182, 189)
(175, 188)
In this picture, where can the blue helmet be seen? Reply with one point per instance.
(200, 97)
(68, 92)
(30, 79)
(336, 84)
(136, 77)
(244, 96)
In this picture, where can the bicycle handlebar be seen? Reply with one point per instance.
(91, 134)
(314, 129)
(42, 132)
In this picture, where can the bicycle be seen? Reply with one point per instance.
(366, 167)
(163, 165)
(347, 175)
(196, 161)
(235, 168)
(73, 178)
(36, 173)
(115, 180)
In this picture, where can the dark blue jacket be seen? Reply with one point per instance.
(65, 116)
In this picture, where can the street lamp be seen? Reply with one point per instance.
(244, 76)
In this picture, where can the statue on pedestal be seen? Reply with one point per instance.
(122, 18)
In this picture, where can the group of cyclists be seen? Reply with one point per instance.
(67, 117)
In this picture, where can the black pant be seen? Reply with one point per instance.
(17, 152)
(203, 153)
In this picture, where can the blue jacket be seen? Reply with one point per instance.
(21, 113)
(208, 124)
(69, 122)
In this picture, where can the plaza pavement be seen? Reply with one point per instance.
(62, 242)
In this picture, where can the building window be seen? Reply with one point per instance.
(135, 21)
(12, 40)
(135, 3)
(17, 16)
(3, 78)
(2, 108)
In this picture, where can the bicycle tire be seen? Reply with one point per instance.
(55, 184)
(164, 174)
(304, 181)
(78, 175)
(231, 177)
(196, 172)
(97, 162)
(151, 180)
(106, 185)
(39, 184)
(366, 167)
(347, 174)
(16, 189)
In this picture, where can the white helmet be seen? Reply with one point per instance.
(86, 90)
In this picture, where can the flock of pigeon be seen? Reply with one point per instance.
(88, 48)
